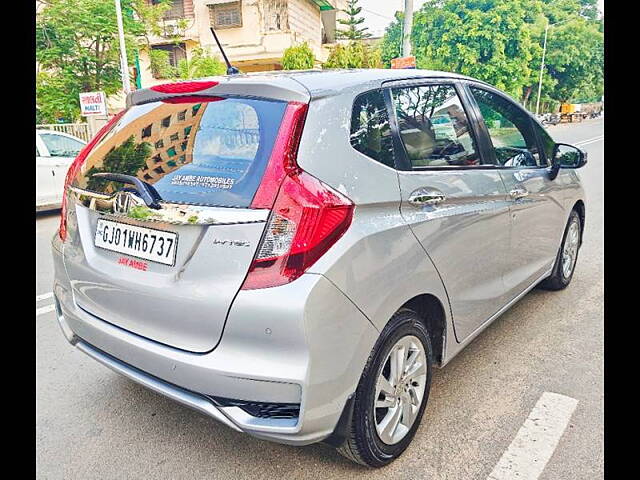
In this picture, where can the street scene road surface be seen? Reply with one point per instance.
(535, 374)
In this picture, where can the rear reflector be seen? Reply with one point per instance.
(307, 216)
(75, 166)
(183, 87)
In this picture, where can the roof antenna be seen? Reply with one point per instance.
(231, 70)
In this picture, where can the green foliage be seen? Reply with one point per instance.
(159, 64)
(575, 61)
(391, 45)
(486, 39)
(353, 22)
(500, 42)
(127, 158)
(355, 54)
(77, 50)
(201, 64)
(54, 101)
(299, 57)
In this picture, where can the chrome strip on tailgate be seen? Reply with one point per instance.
(129, 205)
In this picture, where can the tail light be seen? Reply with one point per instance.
(307, 216)
(73, 171)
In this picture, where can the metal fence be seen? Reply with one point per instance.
(80, 130)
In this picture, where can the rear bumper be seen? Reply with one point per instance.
(304, 343)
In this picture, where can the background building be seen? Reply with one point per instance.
(254, 33)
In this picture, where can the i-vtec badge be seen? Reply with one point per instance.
(231, 243)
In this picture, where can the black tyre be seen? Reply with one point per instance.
(392, 393)
(567, 257)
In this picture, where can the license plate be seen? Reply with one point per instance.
(147, 243)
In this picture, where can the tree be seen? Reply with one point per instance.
(299, 57)
(486, 39)
(391, 44)
(575, 60)
(353, 22)
(575, 54)
(127, 158)
(500, 42)
(77, 50)
(355, 54)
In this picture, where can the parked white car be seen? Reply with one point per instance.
(55, 151)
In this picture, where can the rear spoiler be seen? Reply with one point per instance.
(259, 86)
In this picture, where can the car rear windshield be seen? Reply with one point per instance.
(210, 152)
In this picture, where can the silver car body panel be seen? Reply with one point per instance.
(307, 342)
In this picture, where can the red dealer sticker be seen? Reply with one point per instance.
(130, 262)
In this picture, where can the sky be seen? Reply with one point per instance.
(379, 13)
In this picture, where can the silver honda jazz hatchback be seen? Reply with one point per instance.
(293, 254)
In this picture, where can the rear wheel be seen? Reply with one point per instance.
(567, 257)
(392, 393)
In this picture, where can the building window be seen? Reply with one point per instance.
(166, 121)
(187, 131)
(171, 152)
(174, 137)
(182, 116)
(158, 170)
(226, 15)
(159, 144)
(176, 53)
(157, 159)
(175, 11)
(276, 16)
(146, 131)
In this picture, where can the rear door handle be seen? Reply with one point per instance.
(518, 193)
(426, 196)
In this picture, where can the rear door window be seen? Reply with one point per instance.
(210, 152)
(370, 130)
(434, 127)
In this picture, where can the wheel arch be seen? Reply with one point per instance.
(432, 314)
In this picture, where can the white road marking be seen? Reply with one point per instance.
(536, 440)
(43, 310)
(44, 296)
(590, 140)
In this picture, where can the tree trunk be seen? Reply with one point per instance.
(527, 93)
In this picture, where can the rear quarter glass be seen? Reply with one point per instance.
(201, 152)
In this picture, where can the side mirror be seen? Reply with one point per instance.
(568, 156)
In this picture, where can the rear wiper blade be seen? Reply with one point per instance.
(147, 191)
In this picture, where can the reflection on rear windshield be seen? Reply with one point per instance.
(207, 153)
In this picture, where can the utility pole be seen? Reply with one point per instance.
(124, 66)
(406, 31)
(544, 51)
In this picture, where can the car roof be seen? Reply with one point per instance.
(298, 85)
(316, 81)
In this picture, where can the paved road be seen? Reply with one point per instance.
(92, 423)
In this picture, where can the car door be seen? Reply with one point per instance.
(536, 209)
(454, 201)
(45, 190)
(63, 149)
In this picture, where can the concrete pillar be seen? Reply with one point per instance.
(96, 122)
